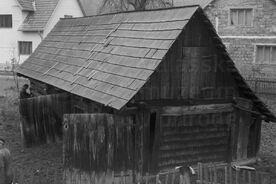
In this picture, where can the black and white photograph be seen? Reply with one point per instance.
(137, 91)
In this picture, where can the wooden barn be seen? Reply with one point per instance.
(144, 92)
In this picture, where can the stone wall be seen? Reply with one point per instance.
(241, 40)
(242, 51)
(264, 13)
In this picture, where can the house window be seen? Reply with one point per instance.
(25, 48)
(241, 17)
(265, 54)
(6, 21)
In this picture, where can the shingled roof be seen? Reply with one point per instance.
(108, 58)
(37, 20)
(26, 5)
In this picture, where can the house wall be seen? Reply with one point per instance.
(11, 36)
(242, 39)
(244, 51)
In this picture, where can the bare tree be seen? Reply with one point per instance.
(127, 5)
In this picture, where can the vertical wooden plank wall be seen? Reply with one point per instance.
(41, 118)
(98, 148)
(192, 69)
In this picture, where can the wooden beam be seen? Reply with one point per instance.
(198, 109)
(180, 102)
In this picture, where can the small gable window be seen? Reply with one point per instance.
(5, 21)
(241, 17)
(265, 54)
(25, 48)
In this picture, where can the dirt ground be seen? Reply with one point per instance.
(43, 164)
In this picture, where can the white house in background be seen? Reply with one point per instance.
(24, 23)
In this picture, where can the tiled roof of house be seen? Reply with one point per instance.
(37, 20)
(27, 5)
(108, 58)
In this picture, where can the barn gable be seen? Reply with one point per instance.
(109, 58)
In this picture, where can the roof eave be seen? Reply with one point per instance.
(31, 30)
(27, 10)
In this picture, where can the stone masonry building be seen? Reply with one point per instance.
(248, 29)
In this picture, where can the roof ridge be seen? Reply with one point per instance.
(133, 11)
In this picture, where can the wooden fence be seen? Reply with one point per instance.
(225, 174)
(41, 118)
(205, 174)
(262, 86)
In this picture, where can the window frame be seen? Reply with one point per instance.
(241, 8)
(19, 48)
(255, 52)
(11, 23)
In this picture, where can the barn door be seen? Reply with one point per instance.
(194, 134)
(99, 148)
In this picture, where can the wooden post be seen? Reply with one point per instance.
(215, 174)
(211, 172)
(237, 176)
(225, 175)
(173, 177)
(147, 178)
(230, 174)
(200, 170)
(249, 177)
(243, 180)
(257, 177)
(205, 175)
(167, 178)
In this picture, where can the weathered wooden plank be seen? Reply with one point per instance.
(237, 177)
(45, 113)
(200, 109)
(226, 175)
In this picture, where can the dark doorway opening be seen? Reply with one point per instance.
(152, 130)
